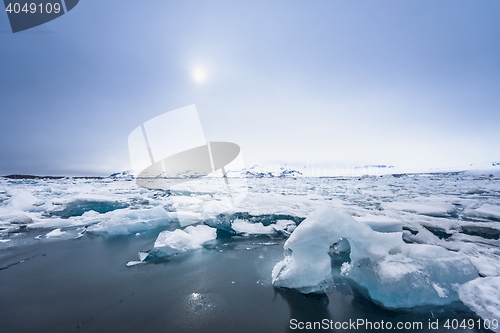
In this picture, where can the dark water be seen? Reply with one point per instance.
(84, 286)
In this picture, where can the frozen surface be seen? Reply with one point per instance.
(381, 263)
(455, 211)
(423, 208)
(381, 223)
(486, 211)
(482, 296)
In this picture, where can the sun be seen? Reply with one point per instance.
(199, 74)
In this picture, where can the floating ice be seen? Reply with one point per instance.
(482, 296)
(285, 227)
(307, 264)
(222, 222)
(381, 263)
(55, 233)
(246, 227)
(178, 241)
(247, 224)
(486, 257)
(381, 223)
(423, 208)
(473, 195)
(16, 218)
(23, 200)
(133, 263)
(188, 217)
(486, 211)
(129, 221)
(79, 205)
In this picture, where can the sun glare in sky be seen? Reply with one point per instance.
(199, 74)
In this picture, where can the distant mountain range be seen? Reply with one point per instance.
(255, 171)
(377, 166)
(266, 171)
(285, 171)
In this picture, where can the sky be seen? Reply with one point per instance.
(344, 83)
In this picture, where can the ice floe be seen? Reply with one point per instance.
(55, 233)
(486, 212)
(128, 221)
(455, 211)
(245, 227)
(482, 296)
(382, 264)
(179, 241)
(423, 208)
(169, 243)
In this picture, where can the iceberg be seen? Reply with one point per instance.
(482, 296)
(170, 243)
(383, 267)
(179, 241)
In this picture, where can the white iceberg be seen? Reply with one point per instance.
(178, 241)
(391, 272)
(482, 296)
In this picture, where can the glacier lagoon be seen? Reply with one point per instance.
(106, 253)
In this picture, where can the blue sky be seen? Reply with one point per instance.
(407, 83)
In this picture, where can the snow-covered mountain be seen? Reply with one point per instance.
(266, 171)
(286, 171)
(377, 166)
(125, 175)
